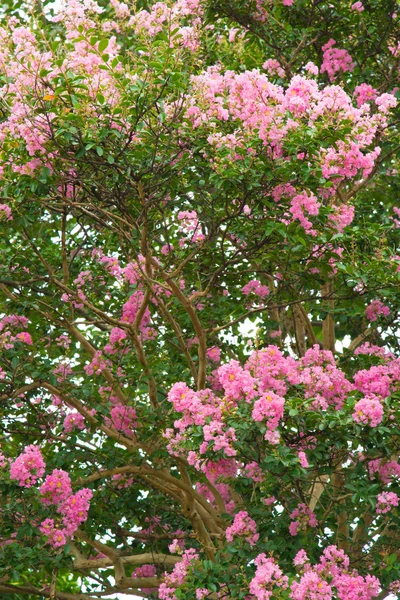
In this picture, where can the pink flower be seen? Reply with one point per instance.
(17, 321)
(62, 371)
(5, 212)
(214, 354)
(272, 437)
(355, 586)
(28, 467)
(123, 418)
(301, 558)
(145, 571)
(273, 67)
(375, 309)
(305, 203)
(304, 518)
(74, 420)
(386, 501)
(270, 408)
(267, 576)
(275, 334)
(56, 487)
(176, 547)
(25, 337)
(269, 501)
(385, 102)
(222, 440)
(311, 68)
(190, 226)
(236, 382)
(243, 526)
(368, 411)
(255, 287)
(55, 537)
(166, 249)
(254, 472)
(63, 341)
(335, 60)
(166, 591)
(358, 6)
(311, 586)
(303, 460)
(117, 340)
(98, 364)
(74, 510)
(364, 93)
(341, 216)
(374, 381)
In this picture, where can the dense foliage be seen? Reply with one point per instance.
(199, 283)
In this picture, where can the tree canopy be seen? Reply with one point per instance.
(199, 287)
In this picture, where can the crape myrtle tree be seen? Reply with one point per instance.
(199, 283)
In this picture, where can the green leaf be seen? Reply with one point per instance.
(103, 45)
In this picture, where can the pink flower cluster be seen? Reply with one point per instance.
(166, 591)
(267, 576)
(117, 340)
(7, 325)
(386, 470)
(369, 411)
(28, 467)
(214, 354)
(304, 518)
(74, 420)
(254, 472)
(55, 537)
(322, 380)
(386, 501)
(56, 487)
(97, 364)
(5, 212)
(341, 216)
(73, 509)
(303, 459)
(335, 60)
(273, 67)
(373, 350)
(331, 578)
(145, 571)
(62, 371)
(358, 6)
(190, 226)
(250, 100)
(149, 23)
(123, 418)
(130, 310)
(221, 438)
(269, 408)
(376, 381)
(260, 389)
(243, 526)
(347, 160)
(305, 203)
(311, 68)
(364, 93)
(256, 288)
(375, 309)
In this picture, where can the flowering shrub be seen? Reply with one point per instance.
(199, 288)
